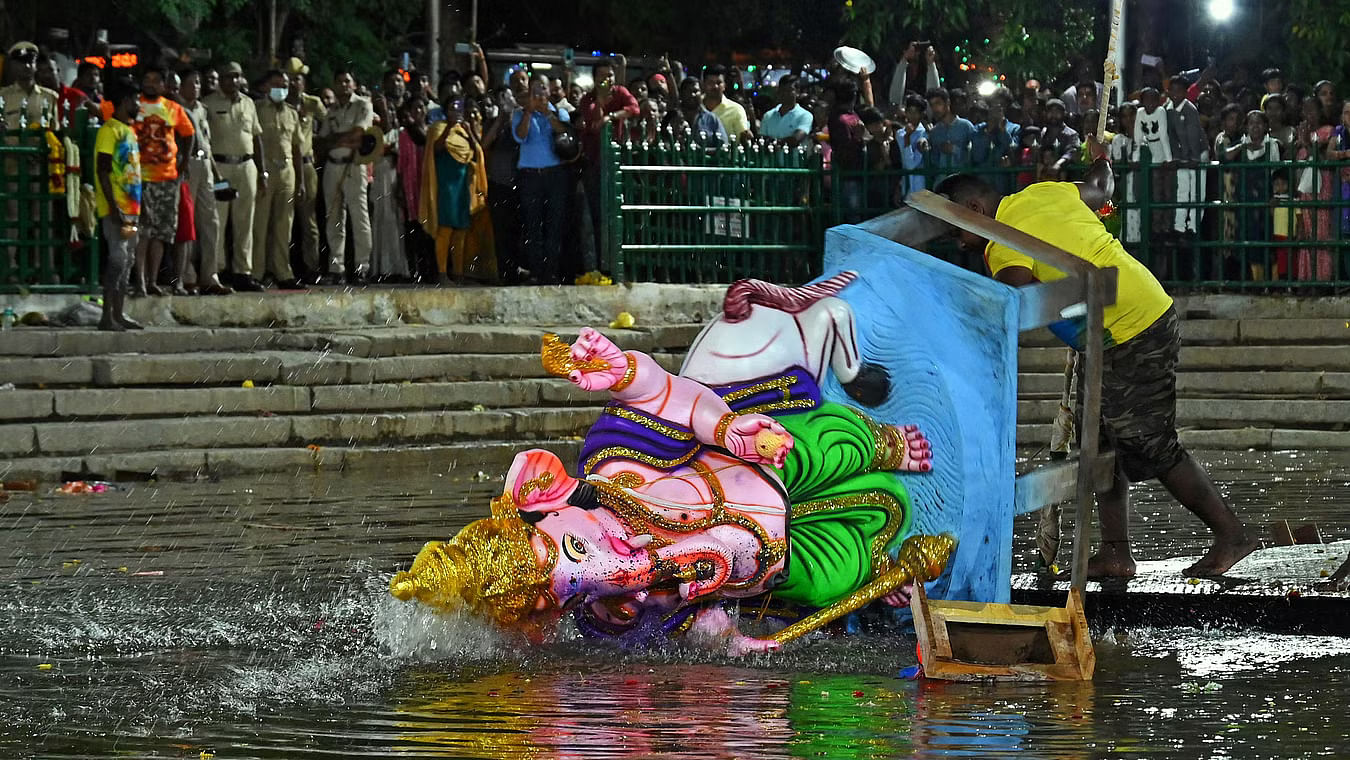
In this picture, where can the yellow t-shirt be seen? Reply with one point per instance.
(1054, 212)
(733, 118)
(119, 141)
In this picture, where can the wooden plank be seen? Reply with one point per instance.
(989, 229)
(1021, 614)
(1057, 482)
(1044, 303)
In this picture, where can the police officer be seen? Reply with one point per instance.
(236, 142)
(344, 181)
(312, 114)
(276, 203)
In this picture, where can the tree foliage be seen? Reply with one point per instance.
(1317, 41)
(1026, 37)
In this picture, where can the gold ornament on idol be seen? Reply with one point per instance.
(557, 358)
(489, 567)
(921, 559)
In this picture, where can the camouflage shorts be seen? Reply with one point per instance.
(1139, 400)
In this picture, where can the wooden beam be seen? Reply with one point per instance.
(936, 205)
(1044, 303)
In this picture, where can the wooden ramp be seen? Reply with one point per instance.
(1281, 589)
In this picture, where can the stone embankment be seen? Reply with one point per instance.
(443, 379)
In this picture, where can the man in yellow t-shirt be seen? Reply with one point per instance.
(1139, 392)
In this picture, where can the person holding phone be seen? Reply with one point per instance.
(542, 180)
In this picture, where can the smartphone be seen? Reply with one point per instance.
(463, 48)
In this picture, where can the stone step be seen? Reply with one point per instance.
(1201, 332)
(91, 438)
(1228, 412)
(478, 461)
(274, 367)
(370, 343)
(122, 402)
(1261, 383)
(1036, 436)
(1218, 358)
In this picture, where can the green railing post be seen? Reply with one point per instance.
(1144, 196)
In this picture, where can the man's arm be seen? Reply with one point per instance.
(103, 168)
(522, 127)
(1015, 276)
(896, 94)
(1099, 184)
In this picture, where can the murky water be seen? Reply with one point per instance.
(249, 618)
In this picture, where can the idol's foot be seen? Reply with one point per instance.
(1222, 556)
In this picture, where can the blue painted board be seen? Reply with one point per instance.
(948, 337)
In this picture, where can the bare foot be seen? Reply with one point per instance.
(1222, 556)
(1110, 565)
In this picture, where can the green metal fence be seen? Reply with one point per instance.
(677, 212)
(37, 252)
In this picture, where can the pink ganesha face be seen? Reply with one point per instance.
(595, 557)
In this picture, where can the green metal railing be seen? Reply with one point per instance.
(36, 250)
(678, 212)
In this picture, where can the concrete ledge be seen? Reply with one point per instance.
(1218, 358)
(17, 440)
(650, 303)
(157, 463)
(88, 438)
(25, 405)
(234, 461)
(147, 402)
(44, 469)
(185, 369)
(1223, 412)
(75, 370)
(461, 395)
(490, 457)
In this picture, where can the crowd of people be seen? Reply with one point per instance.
(469, 183)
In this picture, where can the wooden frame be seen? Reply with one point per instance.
(1057, 638)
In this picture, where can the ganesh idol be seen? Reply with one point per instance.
(693, 498)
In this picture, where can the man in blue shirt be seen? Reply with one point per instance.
(542, 180)
(693, 118)
(949, 136)
(788, 121)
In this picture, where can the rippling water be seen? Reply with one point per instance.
(249, 618)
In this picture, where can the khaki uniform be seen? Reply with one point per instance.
(344, 186)
(234, 124)
(312, 114)
(201, 179)
(276, 204)
(25, 109)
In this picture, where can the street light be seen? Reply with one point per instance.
(1221, 10)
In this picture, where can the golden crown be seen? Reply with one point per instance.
(490, 567)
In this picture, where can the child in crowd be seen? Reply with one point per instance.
(1228, 150)
(1283, 219)
(1120, 149)
(910, 145)
(1257, 147)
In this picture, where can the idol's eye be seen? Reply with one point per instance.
(573, 547)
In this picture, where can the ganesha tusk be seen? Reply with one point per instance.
(921, 559)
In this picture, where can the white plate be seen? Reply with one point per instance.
(854, 60)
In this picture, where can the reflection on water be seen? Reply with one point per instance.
(249, 618)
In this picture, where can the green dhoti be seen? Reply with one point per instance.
(845, 514)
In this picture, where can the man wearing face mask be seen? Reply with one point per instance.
(312, 113)
(281, 140)
(236, 144)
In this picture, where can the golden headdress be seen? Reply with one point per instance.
(490, 567)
